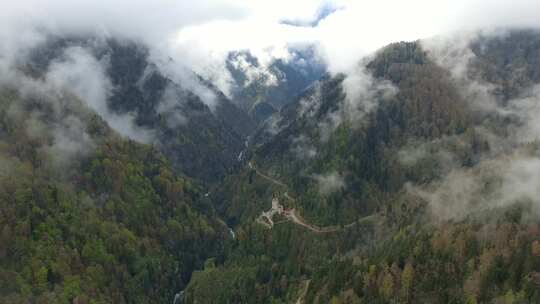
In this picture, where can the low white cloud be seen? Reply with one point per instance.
(80, 73)
(199, 35)
(303, 148)
(505, 175)
(329, 183)
(70, 141)
(492, 184)
(169, 108)
(362, 94)
(252, 72)
(212, 27)
(310, 104)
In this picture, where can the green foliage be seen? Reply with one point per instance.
(117, 225)
(114, 226)
(394, 254)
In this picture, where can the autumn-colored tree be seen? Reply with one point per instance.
(535, 248)
(387, 285)
(407, 281)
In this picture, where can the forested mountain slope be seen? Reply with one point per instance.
(438, 174)
(413, 178)
(87, 216)
(201, 138)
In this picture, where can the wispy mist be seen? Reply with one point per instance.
(329, 183)
(507, 174)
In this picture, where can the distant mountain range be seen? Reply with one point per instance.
(202, 139)
(263, 90)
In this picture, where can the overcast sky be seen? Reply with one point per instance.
(200, 32)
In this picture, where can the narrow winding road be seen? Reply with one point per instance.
(304, 292)
(275, 181)
(292, 214)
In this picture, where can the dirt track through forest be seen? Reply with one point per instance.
(292, 215)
